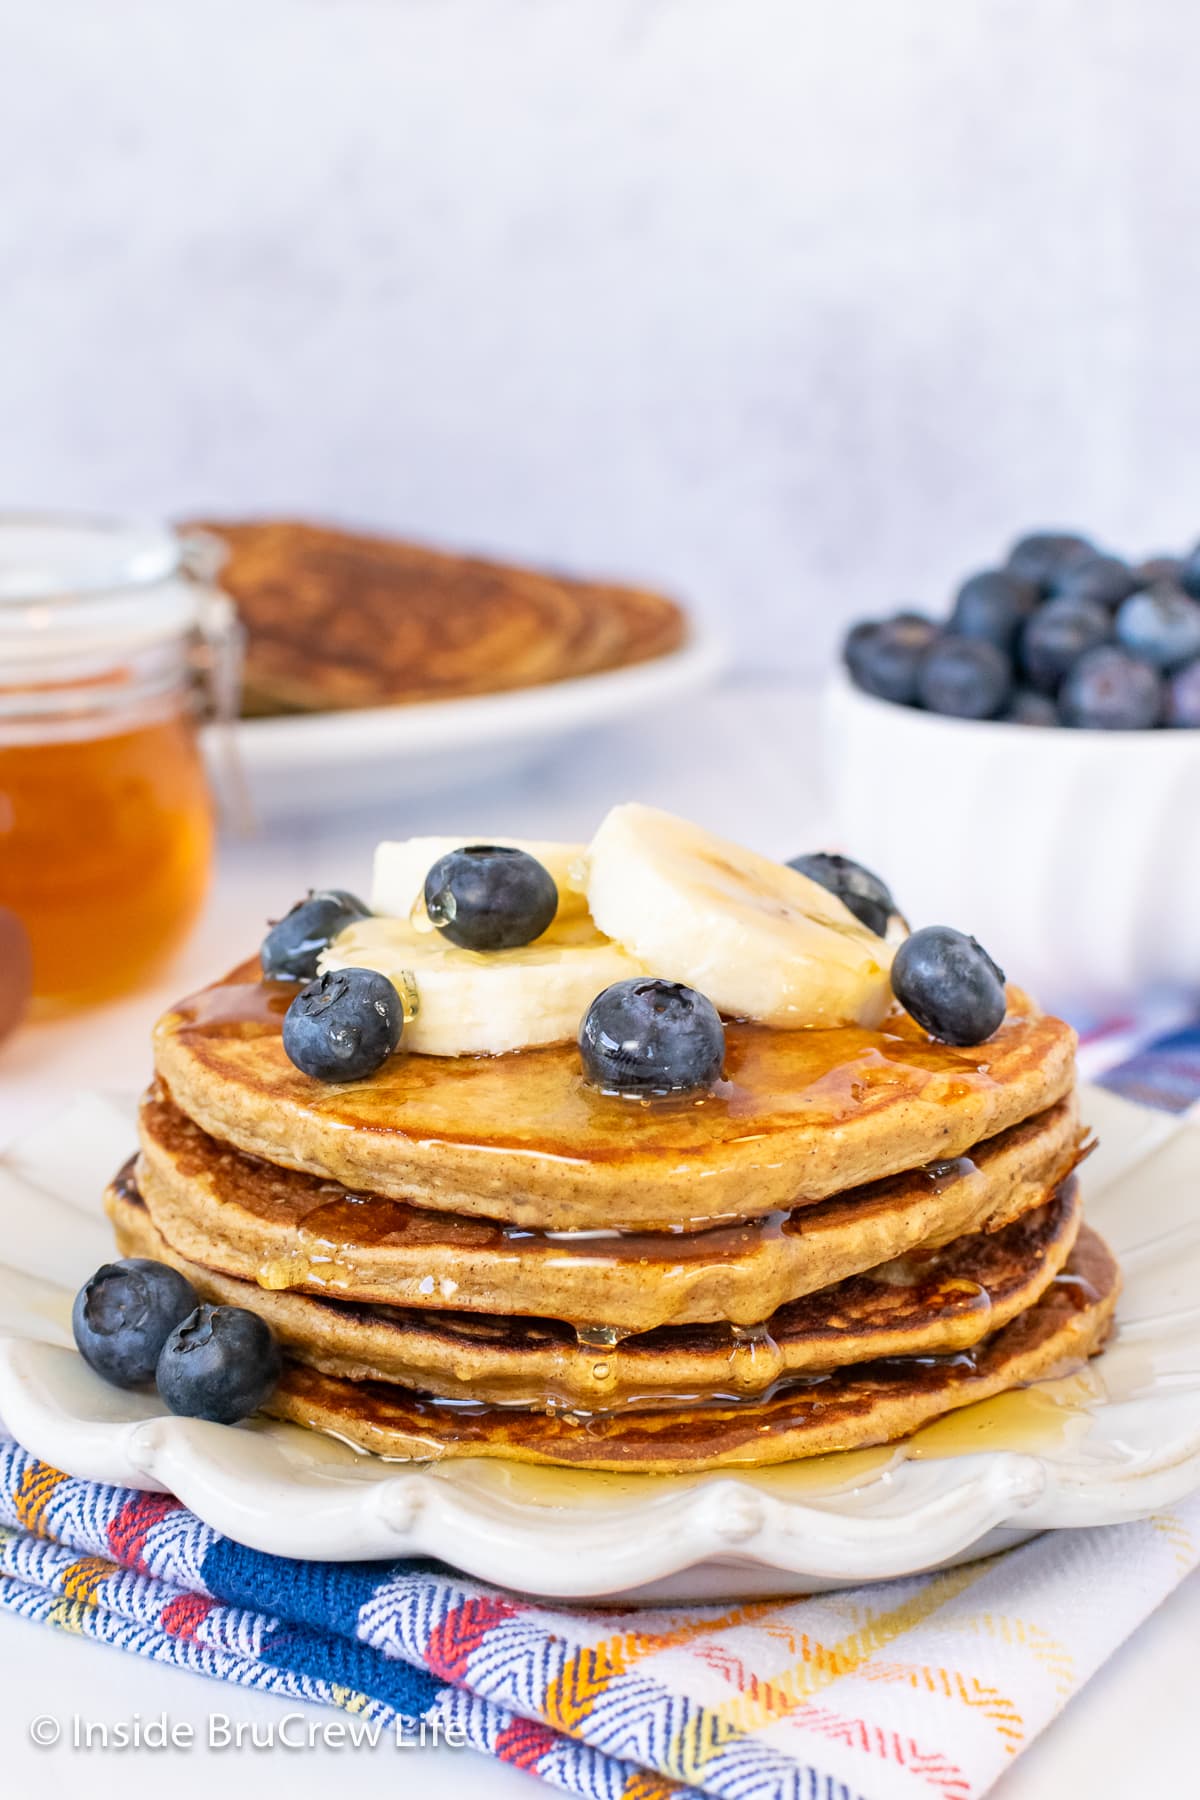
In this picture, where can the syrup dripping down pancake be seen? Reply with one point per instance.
(868, 1403)
(799, 1116)
(932, 1302)
(287, 1230)
(336, 619)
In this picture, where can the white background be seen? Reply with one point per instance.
(800, 308)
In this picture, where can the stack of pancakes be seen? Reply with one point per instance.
(336, 619)
(854, 1232)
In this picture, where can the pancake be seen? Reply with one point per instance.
(870, 1403)
(336, 619)
(930, 1303)
(284, 1229)
(799, 1116)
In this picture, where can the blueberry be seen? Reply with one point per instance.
(994, 605)
(647, 1036)
(965, 678)
(1109, 690)
(1057, 636)
(221, 1363)
(124, 1315)
(1159, 568)
(343, 1026)
(1028, 707)
(949, 984)
(1104, 580)
(291, 947)
(1183, 697)
(863, 894)
(488, 897)
(1161, 626)
(1189, 574)
(1043, 556)
(884, 658)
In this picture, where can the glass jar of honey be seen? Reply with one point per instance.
(111, 651)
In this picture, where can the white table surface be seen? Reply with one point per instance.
(745, 761)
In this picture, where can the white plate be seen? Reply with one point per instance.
(303, 761)
(1123, 1441)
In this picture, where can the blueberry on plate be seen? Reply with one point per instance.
(1109, 690)
(949, 984)
(648, 1036)
(860, 892)
(1028, 707)
(884, 657)
(290, 949)
(343, 1026)
(1103, 580)
(1189, 574)
(1161, 626)
(994, 605)
(490, 897)
(220, 1363)
(1183, 697)
(1056, 637)
(965, 678)
(1044, 556)
(124, 1315)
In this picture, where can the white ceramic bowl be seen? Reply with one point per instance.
(1073, 856)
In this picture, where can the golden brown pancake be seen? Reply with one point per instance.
(870, 1403)
(337, 619)
(284, 1229)
(800, 1115)
(931, 1302)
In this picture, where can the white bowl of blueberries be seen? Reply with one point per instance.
(1032, 763)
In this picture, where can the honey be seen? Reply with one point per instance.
(105, 848)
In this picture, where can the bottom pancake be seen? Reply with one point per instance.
(872, 1403)
(931, 1302)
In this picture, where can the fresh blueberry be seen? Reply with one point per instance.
(1028, 707)
(1161, 625)
(1159, 568)
(860, 892)
(949, 984)
(993, 605)
(343, 1026)
(124, 1315)
(1057, 636)
(1183, 697)
(884, 658)
(1103, 580)
(1043, 556)
(291, 947)
(1189, 574)
(488, 897)
(965, 678)
(647, 1036)
(221, 1363)
(1109, 690)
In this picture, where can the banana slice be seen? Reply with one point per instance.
(469, 1003)
(398, 884)
(762, 941)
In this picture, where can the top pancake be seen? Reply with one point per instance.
(799, 1116)
(337, 619)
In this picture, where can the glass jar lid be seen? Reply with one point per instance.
(76, 586)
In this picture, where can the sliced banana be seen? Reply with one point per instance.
(473, 1003)
(761, 940)
(398, 883)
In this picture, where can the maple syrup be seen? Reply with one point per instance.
(105, 814)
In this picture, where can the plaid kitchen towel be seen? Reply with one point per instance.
(919, 1687)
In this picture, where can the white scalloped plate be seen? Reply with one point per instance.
(1116, 1443)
